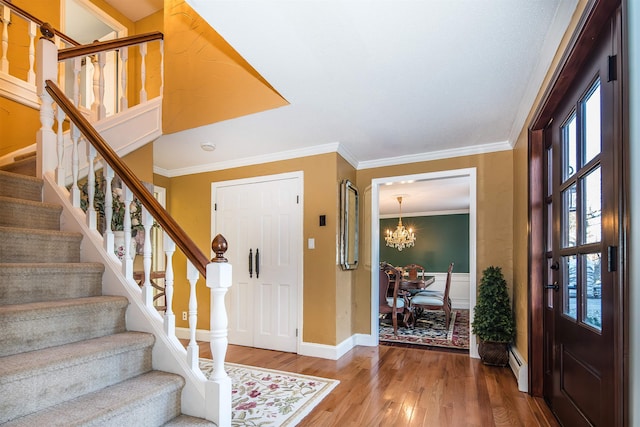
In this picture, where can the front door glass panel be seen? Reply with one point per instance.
(592, 313)
(570, 286)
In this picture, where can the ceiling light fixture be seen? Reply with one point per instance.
(208, 146)
(401, 237)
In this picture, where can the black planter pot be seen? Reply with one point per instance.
(494, 353)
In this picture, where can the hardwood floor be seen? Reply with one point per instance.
(396, 386)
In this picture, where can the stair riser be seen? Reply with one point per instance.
(20, 188)
(37, 329)
(29, 215)
(19, 246)
(21, 284)
(53, 386)
(22, 167)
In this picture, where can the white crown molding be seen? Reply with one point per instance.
(430, 213)
(249, 161)
(436, 155)
(340, 149)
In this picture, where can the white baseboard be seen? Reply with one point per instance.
(520, 369)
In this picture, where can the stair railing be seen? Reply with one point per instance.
(19, 85)
(216, 405)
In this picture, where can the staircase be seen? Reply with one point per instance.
(66, 357)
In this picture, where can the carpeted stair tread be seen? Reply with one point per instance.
(33, 326)
(187, 421)
(19, 366)
(36, 380)
(28, 213)
(29, 245)
(150, 399)
(24, 164)
(20, 186)
(22, 283)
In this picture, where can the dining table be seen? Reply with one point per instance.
(417, 285)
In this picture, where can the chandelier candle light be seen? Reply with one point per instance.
(401, 237)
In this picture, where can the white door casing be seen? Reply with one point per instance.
(262, 215)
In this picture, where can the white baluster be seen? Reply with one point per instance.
(77, 67)
(124, 103)
(102, 109)
(92, 221)
(147, 289)
(5, 18)
(60, 169)
(47, 58)
(31, 74)
(193, 352)
(127, 262)
(75, 165)
(169, 317)
(161, 67)
(108, 209)
(96, 89)
(143, 72)
(218, 387)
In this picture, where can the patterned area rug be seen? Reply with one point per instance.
(265, 397)
(430, 331)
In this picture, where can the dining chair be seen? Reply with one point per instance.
(397, 303)
(429, 300)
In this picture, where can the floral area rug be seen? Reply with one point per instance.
(430, 330)
(265, 397)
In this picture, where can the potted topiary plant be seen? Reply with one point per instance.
(493, 321)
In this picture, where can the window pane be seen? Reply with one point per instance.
(592, 135)
(570, 286)
(570, 148)
(549, 227)
(569, 221)
(592, 207)
(550, 291)
(593, 310)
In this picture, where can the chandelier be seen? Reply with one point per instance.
(401, 237)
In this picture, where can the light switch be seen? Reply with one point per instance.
(312, 243)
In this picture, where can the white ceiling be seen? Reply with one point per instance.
(384, 81)
(381, 81)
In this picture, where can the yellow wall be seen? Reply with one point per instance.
(14, 137)
(206, 80)
(494, 243)
(190, 203)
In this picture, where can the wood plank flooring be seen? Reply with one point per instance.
(396, 386)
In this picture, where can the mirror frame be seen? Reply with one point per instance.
(349, 213)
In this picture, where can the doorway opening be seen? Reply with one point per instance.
(381, 185)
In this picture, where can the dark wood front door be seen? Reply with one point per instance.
(581, 378)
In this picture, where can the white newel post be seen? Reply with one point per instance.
(218, 388)
(47, 69)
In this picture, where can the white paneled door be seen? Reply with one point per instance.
(261, 220)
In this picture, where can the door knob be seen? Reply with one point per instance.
(554, 286)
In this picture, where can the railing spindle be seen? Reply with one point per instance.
(169, 317)
(6, 20)
(60, 169)
(31, 74)
(124, 103)
(147, 289)
(127, 264)
(75, 166)
(193, 352)
(109, 243)
(92, 221)
(143, 72)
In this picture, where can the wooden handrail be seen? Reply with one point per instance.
(28, 16)
(96, 47)
(159, 213)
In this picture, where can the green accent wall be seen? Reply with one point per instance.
(440, 239)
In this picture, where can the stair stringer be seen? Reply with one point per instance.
(168, 353)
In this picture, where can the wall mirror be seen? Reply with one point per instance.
(348, 225)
